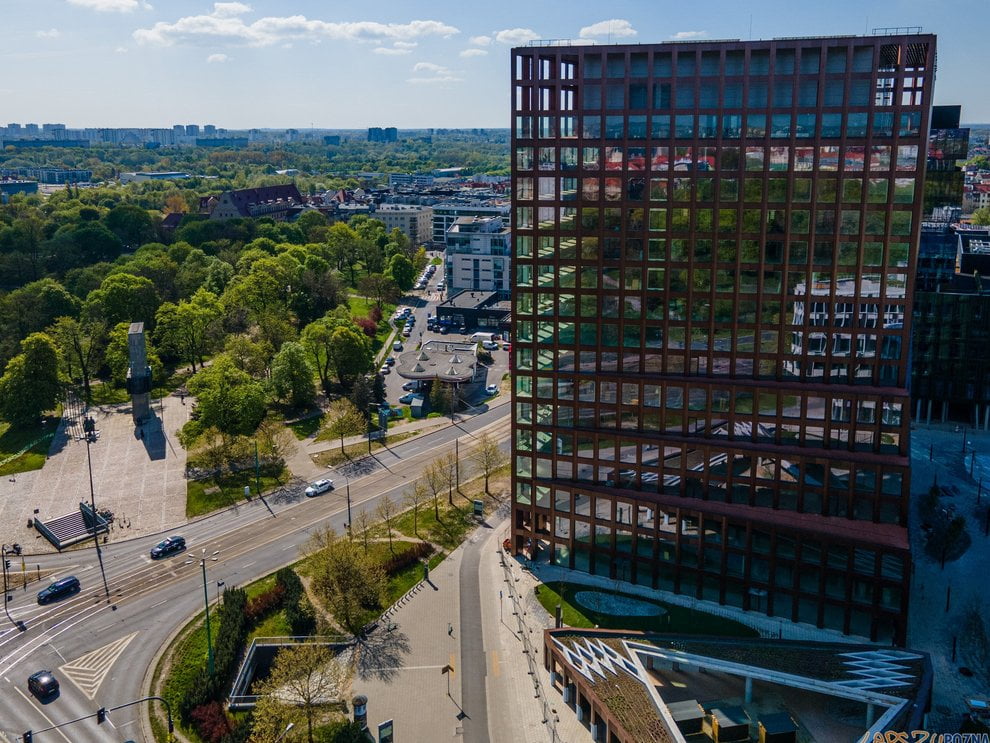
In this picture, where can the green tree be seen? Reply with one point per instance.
(305, 679)
(30, 384)
(292, 376)
(227, 397)
(361, 394)
(981, 216)
(131, 224)
(401, 270)
(345, 578)
(489, 456)
(248, 354)
(351, 353)
(413, 499)
(379, 288)
(118, 355)
(343, 419)
(80, 345)
(387, 510)
(190, 329)
(123, 297)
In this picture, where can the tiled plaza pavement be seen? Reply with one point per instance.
(140, 478)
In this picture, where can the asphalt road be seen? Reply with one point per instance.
(101, 650)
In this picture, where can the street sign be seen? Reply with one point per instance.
(385, 732)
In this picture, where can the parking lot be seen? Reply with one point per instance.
(422, 307)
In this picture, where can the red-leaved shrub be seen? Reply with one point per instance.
(211, 722)
(264, 603)
(369, 326)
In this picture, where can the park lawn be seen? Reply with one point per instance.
(334, 457)
(230, 491)
(12, 440)
(681, 619)
(303, 428)
(400, 583)
(361, 306)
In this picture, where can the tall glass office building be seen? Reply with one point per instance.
(714, 246)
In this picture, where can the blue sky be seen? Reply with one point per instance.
(296, 63)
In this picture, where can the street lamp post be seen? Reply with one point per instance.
(89, 429)
(3, 557)
(285, 732)
(347, 485)
(206, 601)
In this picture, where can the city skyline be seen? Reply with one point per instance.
(420, 67)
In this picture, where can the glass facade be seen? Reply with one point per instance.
(714, 246)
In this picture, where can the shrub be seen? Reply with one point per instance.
(367, 325)
(211, 722)
(264, 603)
(375, 314)
(404, 559)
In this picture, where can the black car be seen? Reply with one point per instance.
(59, 589)
(167, 546)
(42, 684)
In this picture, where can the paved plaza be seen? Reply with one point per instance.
(138, 474)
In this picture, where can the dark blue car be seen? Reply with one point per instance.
(59, 589)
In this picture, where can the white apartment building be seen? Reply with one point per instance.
(477, 256)
(444, 216)
(416, 222)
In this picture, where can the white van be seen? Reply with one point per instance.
(478, 337)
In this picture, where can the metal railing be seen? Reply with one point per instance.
(550, 718)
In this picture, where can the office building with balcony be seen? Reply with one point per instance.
(714, 249)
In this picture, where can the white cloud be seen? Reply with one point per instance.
(121, 50)
(52, 33)
(107, 6)
(225, 24)
(481, 40)
(474, 53)
(391, 51)
(216, 59)
(682, 35)
(617, 27)
(434, 73)
(230, 10)
(406, 44)
(516, 35)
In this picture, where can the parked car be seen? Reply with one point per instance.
(390, 361)
(407, 398)
(506, 346)
(42, 684)
(489, 345)
(397, 346)
(386, 369)
(462, 330)
(167, 546)
(491, 389)
(444, 329)
(409, 386)
(59, 589)
(407, 331)
(319, 488)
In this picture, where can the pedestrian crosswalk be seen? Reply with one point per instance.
(88, 671)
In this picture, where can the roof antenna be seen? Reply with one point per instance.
(750, 27)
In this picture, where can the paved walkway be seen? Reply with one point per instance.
(459, 619)
(932, 627)
(138, 474)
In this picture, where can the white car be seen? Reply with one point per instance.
(491, 389)
(319, 487)
(489, 345)
(386, 369)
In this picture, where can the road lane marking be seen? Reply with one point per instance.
(88, 671)
(40, 712)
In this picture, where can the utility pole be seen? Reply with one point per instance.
(3, 557)
(257, 469)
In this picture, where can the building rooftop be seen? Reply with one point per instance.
(445, 361)
(651, 682)
(472, 299)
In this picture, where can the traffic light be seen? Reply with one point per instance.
(6, 564)
(101, 715)
(27, 737)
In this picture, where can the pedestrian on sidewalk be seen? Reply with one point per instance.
(450, 629)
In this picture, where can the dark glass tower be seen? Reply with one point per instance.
(714, 246)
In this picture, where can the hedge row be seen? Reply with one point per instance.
(419, 551)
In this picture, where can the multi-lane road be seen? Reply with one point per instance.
(103, 651)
